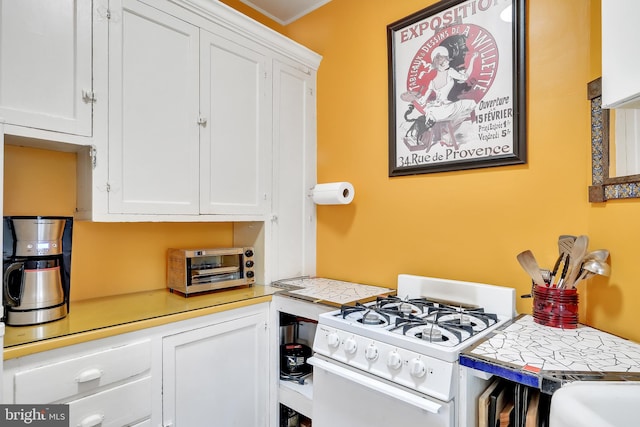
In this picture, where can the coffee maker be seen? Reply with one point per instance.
(36, 268)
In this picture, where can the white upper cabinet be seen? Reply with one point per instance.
(235, 144)
(153, 111)
(189, 117)
(294, 171)
(170, 107)
(45, 65)
(620, 63)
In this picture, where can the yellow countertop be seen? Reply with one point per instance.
(103, 317)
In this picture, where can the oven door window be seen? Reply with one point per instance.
(343, 396)
(214, 268)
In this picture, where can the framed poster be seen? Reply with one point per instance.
(457, 87)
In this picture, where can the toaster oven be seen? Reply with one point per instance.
(191, 271)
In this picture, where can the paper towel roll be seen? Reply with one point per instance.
(333, 193)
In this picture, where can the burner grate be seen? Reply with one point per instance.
(368, 318)
(399, 306)
(440, 322)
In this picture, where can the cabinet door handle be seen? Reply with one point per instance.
(91, 420)
(88, 375)
(88, 96)
(202, 121)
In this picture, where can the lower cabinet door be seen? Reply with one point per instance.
(217, 375)
(124, 405)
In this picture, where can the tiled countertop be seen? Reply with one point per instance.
(108, 316)
(545, 357)
(330, 291)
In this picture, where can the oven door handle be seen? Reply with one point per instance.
(375, 385)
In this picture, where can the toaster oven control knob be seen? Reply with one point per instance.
(350, 345)
(394, 361)
(333, 340)
(249, 264)
(248, 253)
(417, 368)
(371, 352)
(250, 274)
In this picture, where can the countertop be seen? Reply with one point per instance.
(330, 291)
(108, 316)
(102, 317)
(545, 357)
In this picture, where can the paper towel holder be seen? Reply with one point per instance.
(332, 193)
(345, 192)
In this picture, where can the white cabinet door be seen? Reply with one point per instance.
(294, 121)
(218, 374)
(153, 112)
(620, 84)
(45, 64)
(235, 146)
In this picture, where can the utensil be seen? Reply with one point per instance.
(598, 267)
(555, 268)
(565, 244)
(578, 251)
(591, 268)
(563, 275)
(598, 254)
(530, 265)
(546, 276)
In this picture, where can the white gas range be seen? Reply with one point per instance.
(401, 353)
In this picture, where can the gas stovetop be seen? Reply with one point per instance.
(436, 322)
(415, 339)
(425, 326)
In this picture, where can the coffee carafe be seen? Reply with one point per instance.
(37, 257)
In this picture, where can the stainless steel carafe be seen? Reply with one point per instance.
(36, 269)
(33, 292)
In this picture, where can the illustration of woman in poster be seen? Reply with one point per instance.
(440, 109)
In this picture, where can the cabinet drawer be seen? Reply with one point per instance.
(57, 381)
(119, 406)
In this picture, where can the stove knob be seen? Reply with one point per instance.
(350, 345)
(417, 368)
(371, 353)
(333, 340)
(394, 361)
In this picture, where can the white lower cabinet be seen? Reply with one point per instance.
(205, 371)
(218, 374)
(97, 380)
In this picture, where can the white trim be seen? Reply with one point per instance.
(235, 21)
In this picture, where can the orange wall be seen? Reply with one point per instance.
(464, 225)
(467, 225)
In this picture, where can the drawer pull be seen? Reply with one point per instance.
(91, 420)
(88, 375)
